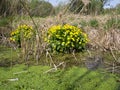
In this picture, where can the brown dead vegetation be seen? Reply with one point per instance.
(99, 37)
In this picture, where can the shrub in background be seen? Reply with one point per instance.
(11, 7)
(23, 32)
(76, 6)
(41, 8)
(118, 9)
(66, 38)
(95, 7)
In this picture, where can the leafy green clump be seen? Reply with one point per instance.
(94, 23)
(66, 38)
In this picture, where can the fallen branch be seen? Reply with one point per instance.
(74, 55)
(48, 54)
(113, 54)
(89, 53)
(20, 72)
(109, 68)
(53, 69)
(13, 79)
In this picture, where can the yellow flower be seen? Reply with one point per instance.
(71, 33)
(63, 43)
(57, 35)
(25, 30)
(45, 39)
(72, 45)
(80, 42)
(12, 39)
(73, 39)
(68, 33)
(12, 33)
(31, 27)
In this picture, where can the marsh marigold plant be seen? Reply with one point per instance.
(66, 38)
(22, 32)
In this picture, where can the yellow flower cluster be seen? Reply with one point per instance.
(23, 31)
(63, 38)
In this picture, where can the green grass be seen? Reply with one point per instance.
(74, 78)
(113, 23)
(93, 23)
(70, 78)
(7, 55)
(4, 21)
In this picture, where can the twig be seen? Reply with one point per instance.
(107, 63)
(48, 54)
(102, 47)
(13, 79)
(29, 14)
(113, 54)
(89, 53)
(74, 55)
(113, 69)
(54, 68)
(38, 35)
(109, 68)
(20, 72)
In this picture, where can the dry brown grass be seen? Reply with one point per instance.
(99, 38)
(105, 39)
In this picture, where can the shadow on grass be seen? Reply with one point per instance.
(90, 80)
(77, 80)
(118, 88)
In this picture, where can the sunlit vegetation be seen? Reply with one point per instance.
(21, 77)
(73, 46)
